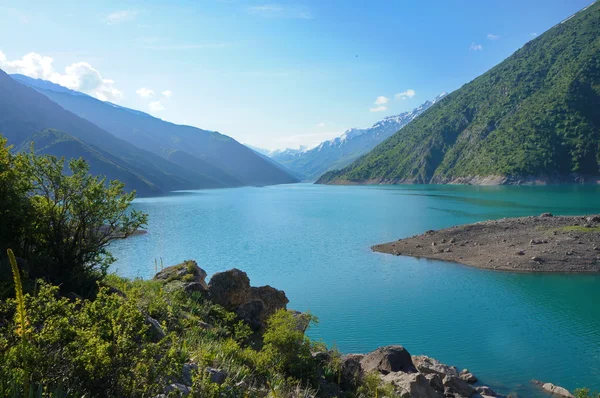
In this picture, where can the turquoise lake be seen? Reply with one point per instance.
(314, 243)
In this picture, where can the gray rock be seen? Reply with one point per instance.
(435, 381)
(546, 215)
(272, 300)
(252, 313)
(454, 385)
(411, 385)
(229, 289)
(485, 391)
(302, 319)
(593, 219)
(467, 376)
(427, 365)
(216, 375)
(350, 371)
(155, 330)
(180, 272)
(187, 373)
(177, 387)
(195, 287)
(393, 358)
(554, 389)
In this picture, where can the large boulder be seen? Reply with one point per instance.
(230, 289)
(351, 372)
(411, 385)
(263, 302)
(187, 276)
(467, 376)
(554, 389)
(454, 386)
(393, 358)
(427, 365)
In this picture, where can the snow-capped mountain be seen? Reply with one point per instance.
(343, 150)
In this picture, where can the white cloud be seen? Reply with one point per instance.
(379, 109)
(321, 125)
(167, 93)
(278, 11)
(382, 100)
(145, 92)
(120, 16)
(406, 94)
(533, 34)
(79, 76)
(492, 36)
(156, 106)
(476, 47)
(309, 140)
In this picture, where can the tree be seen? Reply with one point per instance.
(69, 216)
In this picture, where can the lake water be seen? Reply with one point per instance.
(314, 243)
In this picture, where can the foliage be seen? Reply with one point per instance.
(64, 221)
(536, 113)
(586, 393)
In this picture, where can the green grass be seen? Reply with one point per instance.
(579, 228)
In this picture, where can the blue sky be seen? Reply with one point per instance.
(275, 73)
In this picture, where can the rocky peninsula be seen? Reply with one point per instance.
(544, 243)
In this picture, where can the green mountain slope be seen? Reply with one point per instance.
(534, 117)
(60, 144)
(207, 152)
(24, 112)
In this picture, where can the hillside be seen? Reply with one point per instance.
(535, 117)
(206, 152)
(25, 112)
(343, 150)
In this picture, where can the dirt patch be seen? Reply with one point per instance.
(530, 244)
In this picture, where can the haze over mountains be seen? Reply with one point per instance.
(150, 155)
(310, 164)
(535, 117)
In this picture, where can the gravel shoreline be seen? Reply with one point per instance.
(543, 243)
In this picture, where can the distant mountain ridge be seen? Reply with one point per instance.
(206, 153)
(343, 150)
(533, 118)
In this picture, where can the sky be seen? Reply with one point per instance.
(272, 74)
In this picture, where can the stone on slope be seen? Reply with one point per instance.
(411, 385)
(393, 358)
(428, 365)
(229, 289)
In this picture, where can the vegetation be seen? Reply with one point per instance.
(61, 224)
(534, 114)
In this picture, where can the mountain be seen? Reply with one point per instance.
(205, 152)
(343, 150)
(24, 112)
(535, 117)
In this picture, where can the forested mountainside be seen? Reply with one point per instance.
(533, 117)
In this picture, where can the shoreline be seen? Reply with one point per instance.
(546, 243)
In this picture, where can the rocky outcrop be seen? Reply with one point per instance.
(411, 385)
(231, 289)
(553, 389)
(187, 276)
(393, 358)
(411, 377)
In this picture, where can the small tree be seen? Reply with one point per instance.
(75, 217)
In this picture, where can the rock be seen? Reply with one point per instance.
(350, 371)
(302, 319)
(521, 253)
(216, 375)
(467, 376)
(393, 358)
(593, 219)
(155, 330)
(187, 373)
(251, 313)
(435, 381)
(427, 365)
(229, 289)
(485, 391)
(188, 271)
(546, 215)
(178, 388)
(204, 325)
(454, 385)
(195, 287)
(553, 389)
(411, 385)
(273, 299)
